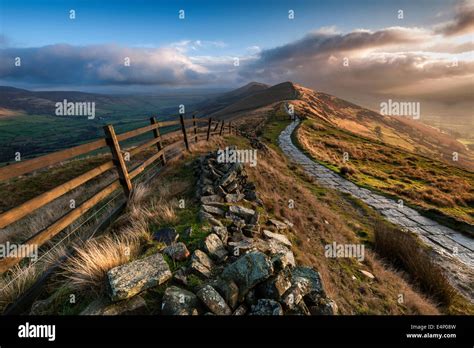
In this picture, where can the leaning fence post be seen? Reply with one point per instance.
(183, 128)
(156, 133)
(111, 139)
(230, 127)
(217, 125)
(209, 128)
(222, 127)
(195, 129)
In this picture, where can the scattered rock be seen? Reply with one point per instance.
(278, 224)
(248, 271)
(229, 291)
(133, 306)
(213, 210)
(266, 307)
(177, 251)
(214, 247)
(201, 263)
(275, 287)
(177, 301)
(101, 306)
(211, 199)
(180, 277)
(132, 278)
(241, 310)
(166, 235)
(221, 232)
(234, 197)
(278, 237)
(211, 298)
(244, 213)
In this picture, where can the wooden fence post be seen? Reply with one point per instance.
(195, 129)
(183, 128)
(222, 127)
(156, 133)
(230, 127)
(117, 158)
(209, 128)
(215, 128)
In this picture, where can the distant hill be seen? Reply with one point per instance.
(221, 101)
(257, 99)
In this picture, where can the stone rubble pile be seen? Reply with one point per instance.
(245, 264)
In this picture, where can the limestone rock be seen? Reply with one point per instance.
(177, 301)
(177, 251)
(213, 210)
(132, 278)
(234, 197)
(201, 263)
(214, 247)
(245, 213)
(248, 271)
(276, 286)
(266, 307)
(211, 298)
(278, 224)
(211, 199)
(278, 237)
(221, 232)
(241, 310)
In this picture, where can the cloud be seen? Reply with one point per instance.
(393, 61)
(102, 65)
(463, 21)
(184, 46)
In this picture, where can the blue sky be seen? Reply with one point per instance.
(236, 24)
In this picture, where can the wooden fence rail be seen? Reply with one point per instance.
(124, 181)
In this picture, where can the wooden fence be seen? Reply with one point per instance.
(125, 177)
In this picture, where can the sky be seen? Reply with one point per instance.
(360, 50)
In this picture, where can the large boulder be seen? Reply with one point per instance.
(132, 278)
(213, 300)
(177, 301)
(248, 271)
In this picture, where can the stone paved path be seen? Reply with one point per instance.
(445, 241)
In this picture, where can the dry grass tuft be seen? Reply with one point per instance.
(403, 250)
(15, 283)
(91, 261)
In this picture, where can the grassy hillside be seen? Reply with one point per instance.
(418, 180)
